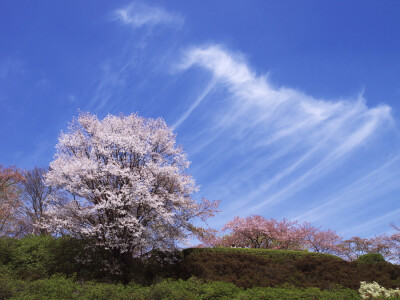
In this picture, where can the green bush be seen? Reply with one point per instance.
(187, 289)
(371, 258)
(35, 257)
(96, 291)
(7, 246)
(295, 294)
(9, 285)
(246, 270)
(40, 256)
(55, 287)
(62, 287)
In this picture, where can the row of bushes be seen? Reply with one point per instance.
(61, 287)
(39, 257)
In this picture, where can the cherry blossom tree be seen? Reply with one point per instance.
(131, 192)
(253, 232)
(395, 242)
(289, 235)
(383, 244)
(353, 248)
(321, 241)
(257, 232)
(395, 249)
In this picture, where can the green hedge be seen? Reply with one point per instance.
(244, 269)
(61, 287)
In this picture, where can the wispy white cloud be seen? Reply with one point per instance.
(127, 71)
(365, 227)
(196, 103)
(378, 182)
(111, 79)
(139, 14)
(122, 77)
(287, 139)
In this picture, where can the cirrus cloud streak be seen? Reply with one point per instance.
(283, 139)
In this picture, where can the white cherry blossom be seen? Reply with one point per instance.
(131, 192)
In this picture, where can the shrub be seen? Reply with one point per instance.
(187, 289)
(40, 256)
(7, 246)
(296, 293)
(371, 258)
(8, 283)
(96, 291)
(62, 287)
(55, 287)
(35, 257)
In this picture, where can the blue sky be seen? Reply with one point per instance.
(287, 109)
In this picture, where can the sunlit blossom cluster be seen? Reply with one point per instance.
(375, 291)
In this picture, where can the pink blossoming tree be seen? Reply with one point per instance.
(257, 232)
(321, 241)
(353, 248)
